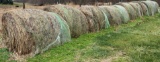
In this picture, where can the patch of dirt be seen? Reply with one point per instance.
(111, 58)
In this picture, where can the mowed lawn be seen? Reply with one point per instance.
(137, 41)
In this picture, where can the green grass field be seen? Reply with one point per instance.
(137, 41)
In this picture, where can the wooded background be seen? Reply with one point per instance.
(80, 2)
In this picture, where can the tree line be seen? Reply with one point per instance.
(6, 2)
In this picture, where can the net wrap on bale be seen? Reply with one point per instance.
(152, 7)
(33, 31)
(123, 12)
(75, 18)
(130, 9)
(115, 17)
(106, 14)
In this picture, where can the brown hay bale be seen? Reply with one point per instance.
(130, 9)
(74, 18)
(137, 7)
(95, 18)
(114, 15)
(32, 31)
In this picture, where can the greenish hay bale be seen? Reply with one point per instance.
(114, 15)
(144, 8)
(152, 7)
(123, 12)
(32, 31)
(106, 14)
(130, 9)
(65, 35)
(156, 6)
(95, 18)
(75, 18)
(137, 7)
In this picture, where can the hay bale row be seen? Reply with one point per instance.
(33, 31)
(75, 18)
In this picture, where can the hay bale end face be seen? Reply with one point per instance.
(31, 31)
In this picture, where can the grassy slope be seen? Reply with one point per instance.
(137, 41)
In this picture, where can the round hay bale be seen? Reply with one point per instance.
(106, 14)
(75, 18)
(114, 15)
(130, 9)
(33, 31)
(95, 18)
(152, 7)
(156, 6)
(138, 8)
(123, 12)
(144, 8)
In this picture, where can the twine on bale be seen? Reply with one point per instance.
(74, 18)
(32, 31)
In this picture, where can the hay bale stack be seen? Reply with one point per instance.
(138, 8)
(130, 9)
(32, 31)
(114, 15)
(95, 18)
(74, 18)
(123, 12)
